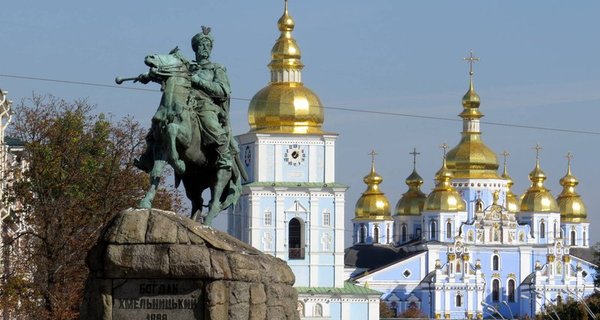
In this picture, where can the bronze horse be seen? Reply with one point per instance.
(175, 138)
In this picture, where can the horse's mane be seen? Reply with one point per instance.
(177, 53)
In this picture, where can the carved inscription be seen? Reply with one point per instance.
(157, 300)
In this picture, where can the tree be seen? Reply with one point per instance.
(385, 311)
(80, 174)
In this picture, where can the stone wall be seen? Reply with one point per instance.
(157, 265)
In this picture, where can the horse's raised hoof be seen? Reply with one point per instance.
(145, 204)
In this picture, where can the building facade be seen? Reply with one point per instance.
(470, 248)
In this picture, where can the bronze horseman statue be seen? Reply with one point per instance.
(190, 129)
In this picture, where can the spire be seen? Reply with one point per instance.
(471, 158)
(570, 204)
(373, 204)
(285, 56)
(285, 105)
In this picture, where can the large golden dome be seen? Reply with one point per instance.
(444, 197)
(373, 204)
(286, 105)
(537, 198)
(570, 204)
(471, 158)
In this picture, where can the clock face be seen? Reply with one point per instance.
(294, 155)
(247, 156)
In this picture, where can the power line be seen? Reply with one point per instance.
(340, 108)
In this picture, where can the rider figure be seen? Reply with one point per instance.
(210, 99)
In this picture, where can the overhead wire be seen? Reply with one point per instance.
(338, 108)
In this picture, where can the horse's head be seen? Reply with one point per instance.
(167, 63)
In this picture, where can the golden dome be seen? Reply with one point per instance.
(285, 105)
(413, 200)
(512, 203)
(373, 204)
(537, 198)
(572, 208)
(444, 197)
(471, 158)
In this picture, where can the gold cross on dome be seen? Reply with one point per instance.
(471, 59)
(373, 154)
(537, 151)
(506, 155)
(569, 156)
(414, 154)
(445, 147)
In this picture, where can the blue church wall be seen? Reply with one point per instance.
(358, 309)
(335, 310)
(325, 274)
(396, 272)
(301, 272)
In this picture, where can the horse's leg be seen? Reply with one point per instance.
(177, 164)
(214, 207)
(157, 169)
(194, 193)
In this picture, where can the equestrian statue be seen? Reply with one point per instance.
(190, 130)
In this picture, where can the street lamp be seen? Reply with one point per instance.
(509, 310)
(539, 295)
(539, 304)
(489, 306)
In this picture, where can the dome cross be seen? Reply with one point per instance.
(414, 154)
(471, 59)
(537, 149)
(445, 147)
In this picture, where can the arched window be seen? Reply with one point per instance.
(542, 230)
(296, 239)
(403, 232)
(511, 290)
(458, 264)
(362, 233)
(495, 290)
(495, 262)
(268, 218)
(318, 310)
(376, 234)
(573, 237)
(459, 301)
(433, 227)
(448, 230)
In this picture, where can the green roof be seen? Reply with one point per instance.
(296, 184)
(348, 289)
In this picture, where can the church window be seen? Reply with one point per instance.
(458, 264)
(459, 301)
(403, 232)
(573, 237)
(495, 290)
(542, 230)
(555, 229)
(495, 262)
(448, 230)
(511, 290)
(362, 233)
(376, 234)
(318, 310)
(326, 218)
(433, 227)
(418, 233)
(296, 239)
(268, 218)
(584, 239)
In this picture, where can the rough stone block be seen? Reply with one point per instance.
(258, 312)
(217, 292)
(218, 312)
(257, 293)
(239, 311)
(276, 313)
(244, 268)
(146, 261)
(132, 228)
(182, 235)
(189, 261)
(239, 293)
(161, 229)
(220, 265)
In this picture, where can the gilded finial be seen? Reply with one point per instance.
(569, 156)
(471, 59)
(414, 154)
(471, 100)
(445, 147)
(373, 154)
(537, 149)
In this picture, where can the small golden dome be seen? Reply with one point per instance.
(512, 203)
(285, 105)
(373, 204)
(537, 198)
(570, 204)
(444, 197)
(471, 158)
(413, 200)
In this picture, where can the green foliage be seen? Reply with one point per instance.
(80, 173)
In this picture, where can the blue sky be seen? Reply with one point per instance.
(539, 66)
